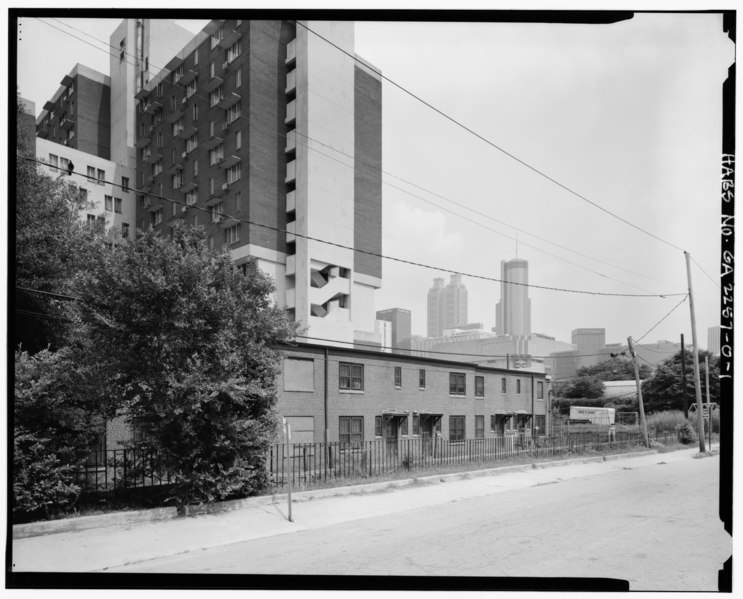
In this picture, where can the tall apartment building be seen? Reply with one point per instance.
(447, 305)
(400, 319)
(267, 122)
(513, 311)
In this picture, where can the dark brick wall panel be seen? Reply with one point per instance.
(367, 173)
(93, 117)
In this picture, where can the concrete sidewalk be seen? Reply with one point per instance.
(97, 543)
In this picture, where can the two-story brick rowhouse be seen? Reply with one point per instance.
(268, 135)
(357, 395)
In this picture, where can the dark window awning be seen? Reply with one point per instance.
(395, 413)
(503, 413)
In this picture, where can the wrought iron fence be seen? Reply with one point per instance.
(307, 464)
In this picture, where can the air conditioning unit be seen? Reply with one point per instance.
(226, 65)
(184, 101)
(183, 209)
(225, 186)
(225, 126)
(184, 155)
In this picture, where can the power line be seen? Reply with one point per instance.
(197, 94)
(492, 144)
(715, 283)
(368, 252)
(661, 320)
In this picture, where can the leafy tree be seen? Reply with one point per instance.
(182, 343)
(55, 423)
(615, 369)
(588, 387)
(51, 244)
(664, 390)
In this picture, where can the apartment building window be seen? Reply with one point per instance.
(108, 203)
(101, 176)
(141, 128)
(157, 117)
(378, 426)
(456, 428)
(216, 212)
(192, 143)
(173, 208)
(159, 85)
(173, 104)
(211, 71)
(479, 427)
(233, 173)
(416, 424)
(192, 197)
(195, 112)
(53, 161)
(125, 184)
(195, 168)
(233, 51)
(157, 168)
(125, 230)
(70, 134)
(503, 385)
(457, 383)
(351, 376)
(480, 386)
(117, 205)
(216, 155)
(233, 113)
(82, 193)
(238, 139)
(196, 57)
(238, 78)
(540, 390)
(232, 234)
(177, 180)
(144, 155)
(211, 186)
(518, 386)
(217, 37)
(178, 74)
(177, 127)
(422, 379)
(191, 88)
(216, 96)
(160, 139)
(351, 430)
(156, 217)
(404, 427)
(398, 376)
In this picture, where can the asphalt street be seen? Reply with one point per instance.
(651, 522)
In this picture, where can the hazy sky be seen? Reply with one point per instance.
(627, 115)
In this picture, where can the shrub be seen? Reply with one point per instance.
(686, 434)
(665, 421)
(715, 421)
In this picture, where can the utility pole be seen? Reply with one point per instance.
(697, 382)
(683, 376)
(709, 405)
(643, 423)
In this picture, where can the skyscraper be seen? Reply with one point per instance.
(589, 343)
(513, 311)
(400, 321)
(447, 306)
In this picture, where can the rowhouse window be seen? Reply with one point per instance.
(456, 428)
(398, 376)
(540, 390)
(422, 379)
(117, 205)
(479, 386)
(351, 376)
(416, 424)
(404, 426)
(518, 386)
(540, 425)
(503, 385)
(351, 430)
(377, 426)
(492, 423)
(457, 383)
(479, 427)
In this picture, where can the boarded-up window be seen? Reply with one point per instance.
(299, 374)
(302, 428)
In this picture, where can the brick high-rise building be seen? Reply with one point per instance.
(268, 122)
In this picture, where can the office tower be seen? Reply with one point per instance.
(589, 343)
(447, 305)
(513, 311)
(713, 340)
(401, 332)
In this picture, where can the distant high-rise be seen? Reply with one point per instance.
(713, 340)
(400, 320)
(589, 343)
(447, 306)
(513, 311)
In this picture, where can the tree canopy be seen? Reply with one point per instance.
(664, 390)
(616, 369)
(182, 344)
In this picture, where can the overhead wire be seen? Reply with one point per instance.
(683, 299)
(368, 252)
(494, 145)
(198, 94)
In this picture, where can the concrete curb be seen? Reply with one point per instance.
(48, 527)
